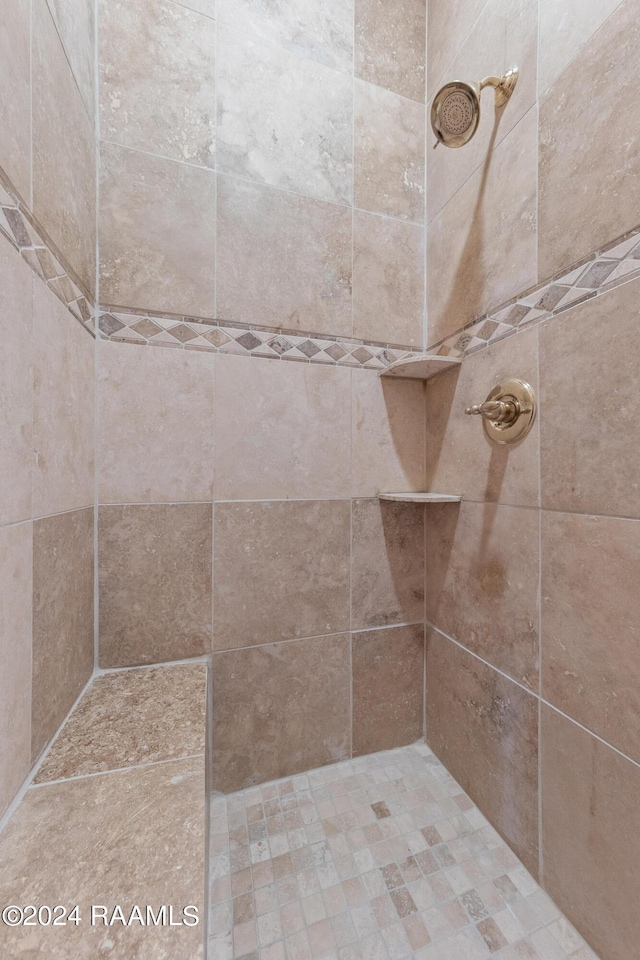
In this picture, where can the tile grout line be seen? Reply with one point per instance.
(106, 773)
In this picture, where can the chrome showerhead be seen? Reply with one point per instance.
(455, 112)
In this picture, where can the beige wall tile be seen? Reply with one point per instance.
(565, 29)
(156, 425)
(388, 280)
(388, 153)
(270, 716)
(296, 114)
(589, 186)
(62, 619)
(388, 687)
(387, 563)
(283, 260)
(282, 430)
(388, 434)
(16, 377)
(15, 107)
(482, 245)
(157, 79)
(15, 655)
(590, 624)
(64, 156)
(390, 45)
(485, 730)
(63, 408)
(591, 835)
(482, 582)
(281, 571)
(157, 233)
(75, 20)
(588, 406)
(448, 27)
(320, 31)
(460, 458)
(154, 567)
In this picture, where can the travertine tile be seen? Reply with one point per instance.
(64, 161)
(485, 730)
(482, 582)
(448, 28)
(388, 280)
(15, 652)
(154, 563)
(15, 108)
(62, 619)
(16, 373)
(390, 45)
(270, 715)
(588, 195)
(289, 433)
(75, 20)
(157, 233)
(388, 688)
(387, 563)
(283, 260)
(129, 718)
(156, 425)
(297, 115)
(591, 834)
(460, 458)
(281, 571)
(157, 79)
(135, 837)
(589, 623)
(565, 30)
(63, 408)
(587, 431)
(319, 31)
(389, 164)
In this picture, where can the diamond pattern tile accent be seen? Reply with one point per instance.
(248, 341)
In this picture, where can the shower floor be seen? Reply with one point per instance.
(378, 858)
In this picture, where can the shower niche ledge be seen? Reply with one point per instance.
(410, 497)
(420, 368)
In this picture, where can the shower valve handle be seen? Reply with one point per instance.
(498, 411)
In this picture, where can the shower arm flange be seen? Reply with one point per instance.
(503, 86)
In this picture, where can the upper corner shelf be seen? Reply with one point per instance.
(420, 497)
(420, 368)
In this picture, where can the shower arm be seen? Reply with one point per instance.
(503, 86)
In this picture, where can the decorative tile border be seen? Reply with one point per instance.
(595, 275)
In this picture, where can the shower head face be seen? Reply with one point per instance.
(455, 113)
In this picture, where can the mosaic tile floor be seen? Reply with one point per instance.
(378, 858)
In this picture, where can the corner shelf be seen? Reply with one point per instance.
(420, 497)
(420, 368)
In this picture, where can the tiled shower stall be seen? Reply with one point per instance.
(220, 221)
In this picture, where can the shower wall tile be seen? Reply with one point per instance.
(565, 31)
(388, 153)
(157, 233)
(388, 280)
(449, 26)
(591, 835)
(155, 425)
(388, 688)
(63, 408)
(482, 244)
(504, 35)
(588, 407)
(206, 7)
(157, 79)
(154, 572)
(16, 594)
(75, 21)
(460, 458)
(485, 730)
(281, 571)
(390, 45)
(388, 435)
(590, 624)
(16, 376)
(283, 260)
(387, 564)
(289, 435)
(15, 106)
(586, 197)
(482, 582)
(62, 619)
(319, 31)
(297, 114)
(270, 710)
(64, 154)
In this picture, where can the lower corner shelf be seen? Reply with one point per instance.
(420, 497)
